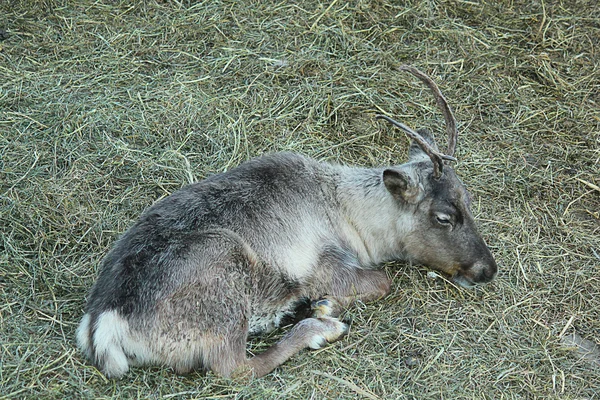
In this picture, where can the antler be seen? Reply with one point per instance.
(442, 103)
(436, 157)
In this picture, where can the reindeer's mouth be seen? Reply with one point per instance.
(457, 278)
(467, 278)
(463, 281)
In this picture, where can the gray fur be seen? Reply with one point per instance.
(240, 252)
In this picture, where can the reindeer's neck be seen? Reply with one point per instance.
(371, 215)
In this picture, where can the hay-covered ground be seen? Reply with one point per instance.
(107, 106)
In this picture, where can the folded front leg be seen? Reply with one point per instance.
(347, 286)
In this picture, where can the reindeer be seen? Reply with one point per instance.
(279, 238)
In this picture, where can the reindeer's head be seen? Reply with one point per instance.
(443, 234)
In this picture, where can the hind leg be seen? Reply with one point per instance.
(311, 333)
(204, 323)
(222, 347)
(226, 355)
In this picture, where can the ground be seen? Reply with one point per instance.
(107, 106)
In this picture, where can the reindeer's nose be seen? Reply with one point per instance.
(484, 272)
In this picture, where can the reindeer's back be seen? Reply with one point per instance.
(275, 204)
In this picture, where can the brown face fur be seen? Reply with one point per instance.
(444, 235)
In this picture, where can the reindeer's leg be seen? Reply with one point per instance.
(347, 286)
(222, 347)
(215, 310)
(225, 353)
(311, 332)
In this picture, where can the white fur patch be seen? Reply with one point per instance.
(317, 342)
(299, 253)
(116, 346)
(300, 260)
(334, 330)
(83, 336)
(337, 328)
(110, 331)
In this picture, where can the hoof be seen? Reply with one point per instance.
(335, 329)
(324, 308)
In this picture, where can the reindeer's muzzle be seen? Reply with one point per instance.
(479, 273)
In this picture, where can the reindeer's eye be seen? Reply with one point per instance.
(443, 219)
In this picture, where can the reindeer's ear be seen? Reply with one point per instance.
(415, 153)
(400, 185)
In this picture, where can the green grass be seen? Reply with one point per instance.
(107, 106)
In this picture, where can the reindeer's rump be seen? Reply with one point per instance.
(180, 302)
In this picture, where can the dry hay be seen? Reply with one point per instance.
(106, 106)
